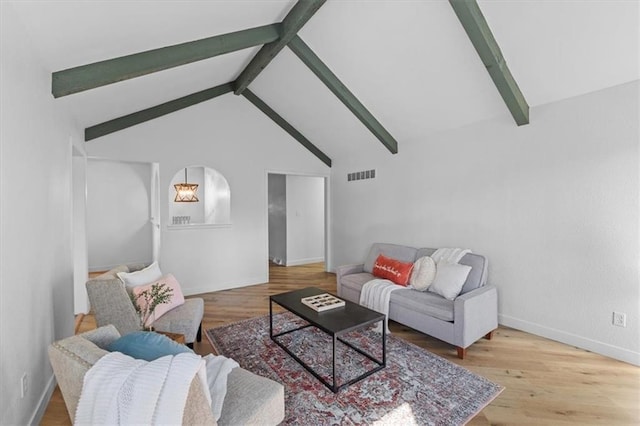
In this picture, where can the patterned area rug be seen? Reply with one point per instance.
(415, 388)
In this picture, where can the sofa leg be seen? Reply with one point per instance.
(199, 335)
(461, 352)
(489, 335)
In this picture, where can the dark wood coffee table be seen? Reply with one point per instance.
(335, 322)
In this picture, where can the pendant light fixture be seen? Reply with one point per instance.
(186, 192)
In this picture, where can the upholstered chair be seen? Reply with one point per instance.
(111, 304)
(250, 399)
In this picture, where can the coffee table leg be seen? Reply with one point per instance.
(335, 388)
(384, 345)
(270, 318)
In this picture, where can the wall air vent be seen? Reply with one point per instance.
(367, 174)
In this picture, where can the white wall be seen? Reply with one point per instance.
(554, 205)
(79, 229)
(118, 213)
(277, 189)
(217, 206)
(36, 266)
(305, 220)
(231, 136)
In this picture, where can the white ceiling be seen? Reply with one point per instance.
(409, 62)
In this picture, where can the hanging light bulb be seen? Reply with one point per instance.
(186, 192)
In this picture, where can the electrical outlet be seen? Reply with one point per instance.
(619, 319)
(23, 385)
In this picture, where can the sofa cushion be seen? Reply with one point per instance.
(185, 319)
(176, 298)
(423, 274)
(392, 269)
(356, 281)
(147, 345)
(450, 277)
(423, 303)
(144, 276)
(425, 251)
(102, 336)
(394, 251)
(252, 400)
(478, 275)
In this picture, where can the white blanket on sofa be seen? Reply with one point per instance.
(450, 255)
(375, 295)
(119, 389)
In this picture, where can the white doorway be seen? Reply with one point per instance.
(297, 219)
(122, 213)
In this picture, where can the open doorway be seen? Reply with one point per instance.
(297, 211)
(122, 216)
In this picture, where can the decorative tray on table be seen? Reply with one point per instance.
(322, 302)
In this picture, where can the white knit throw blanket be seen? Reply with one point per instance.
(218, 368)
(449, 255)
(121, 390)
(375, 295)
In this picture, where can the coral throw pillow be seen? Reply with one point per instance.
(177, 298)
(392, 269)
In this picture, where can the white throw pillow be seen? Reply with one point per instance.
(144, 276)
(450, 278)
(424, 272)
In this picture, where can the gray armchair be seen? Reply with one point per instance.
(250, 399)
(111, 304)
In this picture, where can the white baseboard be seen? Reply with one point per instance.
(304, 261)
(199, 289)
(36, 418)
(605, 349)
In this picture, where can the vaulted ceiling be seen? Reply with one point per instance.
(409, 62)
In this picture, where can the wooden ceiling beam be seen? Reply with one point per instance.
(91, 76)
(334, 84)
(135, 118)
(299, 14)
(481, 37)
(259, 103)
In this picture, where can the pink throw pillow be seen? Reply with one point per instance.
(177, 298)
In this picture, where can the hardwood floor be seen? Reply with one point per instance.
(547, 383)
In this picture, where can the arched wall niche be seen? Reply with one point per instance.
(213, 207)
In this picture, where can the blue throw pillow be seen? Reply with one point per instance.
(146, 345)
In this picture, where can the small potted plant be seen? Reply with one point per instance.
(147, 300)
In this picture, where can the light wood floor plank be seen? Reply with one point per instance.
(547, 383)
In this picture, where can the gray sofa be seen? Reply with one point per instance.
(460, 322)
(250, 399)
(111, 304)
